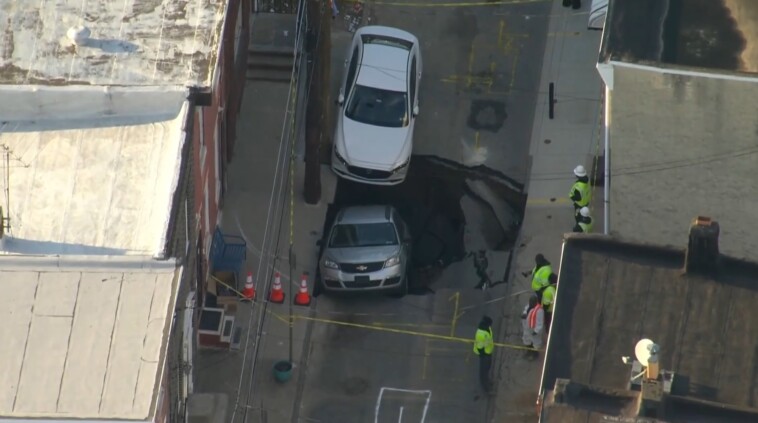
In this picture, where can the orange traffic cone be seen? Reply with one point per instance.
(277, 294)
(248, 294)
(303, 298)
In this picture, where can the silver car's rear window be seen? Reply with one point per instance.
(378, 107)
(363, 235)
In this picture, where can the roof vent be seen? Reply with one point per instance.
(78, 35)
(703, 248)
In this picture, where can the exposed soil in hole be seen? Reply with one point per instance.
(430, 200)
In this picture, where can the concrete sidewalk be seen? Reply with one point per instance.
(257, 207)
(557, 146)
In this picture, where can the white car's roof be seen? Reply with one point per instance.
(384, 67)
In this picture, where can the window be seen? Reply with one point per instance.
(387, 41)
(351, 70)
(378, 107)
(413, 81)
(363, 235)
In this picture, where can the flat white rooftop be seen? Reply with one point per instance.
(157, 42)
(84, 338)
(96, 179)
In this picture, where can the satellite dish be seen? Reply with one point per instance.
(642, 350)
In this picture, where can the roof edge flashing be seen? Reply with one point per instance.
(606, 74)
(685, 72)
(87, 263)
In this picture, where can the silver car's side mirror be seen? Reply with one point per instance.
(415, 110)
(341, 99)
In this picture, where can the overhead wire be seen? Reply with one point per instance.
(279, 176)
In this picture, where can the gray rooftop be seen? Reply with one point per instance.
(719, 35)
(612, 294)
(156, 42)
(683, 146)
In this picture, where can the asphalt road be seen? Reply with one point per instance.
(381, 359)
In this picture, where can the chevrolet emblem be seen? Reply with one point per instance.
(361, 267)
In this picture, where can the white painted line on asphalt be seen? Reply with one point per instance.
(400, 418)
(427, 393)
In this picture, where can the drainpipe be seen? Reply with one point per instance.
(607, 166)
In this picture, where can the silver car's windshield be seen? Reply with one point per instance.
(363, 235)
(378, 107)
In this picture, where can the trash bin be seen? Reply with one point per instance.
(282, 371)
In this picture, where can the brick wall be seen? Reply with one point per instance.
(214, 130)
(198, 202)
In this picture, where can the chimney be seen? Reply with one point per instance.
(703, 248)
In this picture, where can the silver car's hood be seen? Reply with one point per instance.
(377, 147)
(362, 254)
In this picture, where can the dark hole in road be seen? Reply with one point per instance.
(430, 203)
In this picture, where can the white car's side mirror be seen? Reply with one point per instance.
(340, 99)
(415, 110)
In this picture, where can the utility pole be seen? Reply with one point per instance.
(317, 119)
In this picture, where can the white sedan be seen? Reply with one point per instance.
(378, 103)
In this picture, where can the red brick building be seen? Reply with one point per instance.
(213, 134)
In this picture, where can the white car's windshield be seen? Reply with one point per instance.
(363, 235)
(378, 107)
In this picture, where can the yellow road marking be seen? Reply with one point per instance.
(470, 79)
(500, 34)
(513, 71)
(470, 66)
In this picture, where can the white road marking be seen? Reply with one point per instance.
(400, 418)
(426, 393)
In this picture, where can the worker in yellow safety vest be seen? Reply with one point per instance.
(483, 347)
(580, 192)
(548, 299)
(540, 274)
(583, 221)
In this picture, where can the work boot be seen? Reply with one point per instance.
(527, 353)
(535, 354)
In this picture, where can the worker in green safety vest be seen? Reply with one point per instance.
(580, 192)
(483, 347)
(583, 221)
(548, 299)
(540, 274)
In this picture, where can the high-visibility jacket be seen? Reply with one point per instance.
(541, 277)
(584, 193)
(585, 224)
(535, 319)
(483, 339)
(548, 298)
(533, 325)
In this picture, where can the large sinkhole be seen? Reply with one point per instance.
(453, 212)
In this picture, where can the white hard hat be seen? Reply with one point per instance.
(585, 211)
(579, 171)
